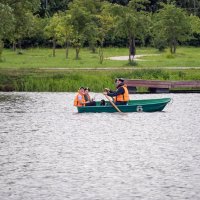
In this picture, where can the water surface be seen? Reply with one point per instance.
(48, 151)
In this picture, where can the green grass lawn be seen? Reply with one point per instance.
(42, 58)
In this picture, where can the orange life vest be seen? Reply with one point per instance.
(122, 97)
(78, 102)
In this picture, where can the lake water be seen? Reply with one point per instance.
(50, 152)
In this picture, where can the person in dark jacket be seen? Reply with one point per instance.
(88, 100)
(121, 95)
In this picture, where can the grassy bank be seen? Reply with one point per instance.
(42, 58)
(23, 72)
(70, 81)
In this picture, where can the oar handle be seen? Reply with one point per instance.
(112, 103)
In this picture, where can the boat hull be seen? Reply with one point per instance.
(147, 105)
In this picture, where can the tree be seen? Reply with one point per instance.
(22, 12)
(64, 31)
(105, 25)
(27, 5)
(195, 23)
(92, 26)
(51, 31)
(132, 22)
(172, 25)
(7, 25)
(79, 20)
(91, 35)
(90, 23)
(38, 27)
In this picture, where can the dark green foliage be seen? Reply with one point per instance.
(27, 32)
(172, 25)
(49, 7)
(192, 6)
(122, 2)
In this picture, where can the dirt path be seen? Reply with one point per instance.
(137, 57)
(114, 68)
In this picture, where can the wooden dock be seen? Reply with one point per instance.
(157, 86)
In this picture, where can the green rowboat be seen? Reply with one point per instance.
(146, 105)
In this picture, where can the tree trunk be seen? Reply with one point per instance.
(93, 49)
(174, 49)
(171, 48)
(66, 53)
(101, 57)
(54, 47)
(77, 53)
(1, 49)
(132, 48)
(66, 50)
(14, 46)
(173, 45)
(20, 47)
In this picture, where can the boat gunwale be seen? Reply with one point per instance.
(121, 106)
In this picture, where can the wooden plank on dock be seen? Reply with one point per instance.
(190, 84)
(162, 84)
(148, 83)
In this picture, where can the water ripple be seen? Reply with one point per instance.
(48, 151)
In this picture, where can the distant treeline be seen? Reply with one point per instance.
(99, 23)
(49, 7)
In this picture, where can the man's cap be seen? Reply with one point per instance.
(119, 79)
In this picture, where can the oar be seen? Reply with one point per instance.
(113, 104)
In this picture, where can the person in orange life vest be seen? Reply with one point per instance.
(79, 99)
(88, 100)
(121, 95)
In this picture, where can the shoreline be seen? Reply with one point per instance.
(62, 80)
(98, 68)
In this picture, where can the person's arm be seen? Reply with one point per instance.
(108, 90)
(116, 93)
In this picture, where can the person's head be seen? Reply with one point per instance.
(81, 90)
(119, 81)
(86, 90)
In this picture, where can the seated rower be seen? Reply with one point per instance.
(121, 95)
(80, 99)
(88, 100)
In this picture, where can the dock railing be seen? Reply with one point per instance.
(158, 86)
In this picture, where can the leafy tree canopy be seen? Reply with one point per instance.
(173, 25)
